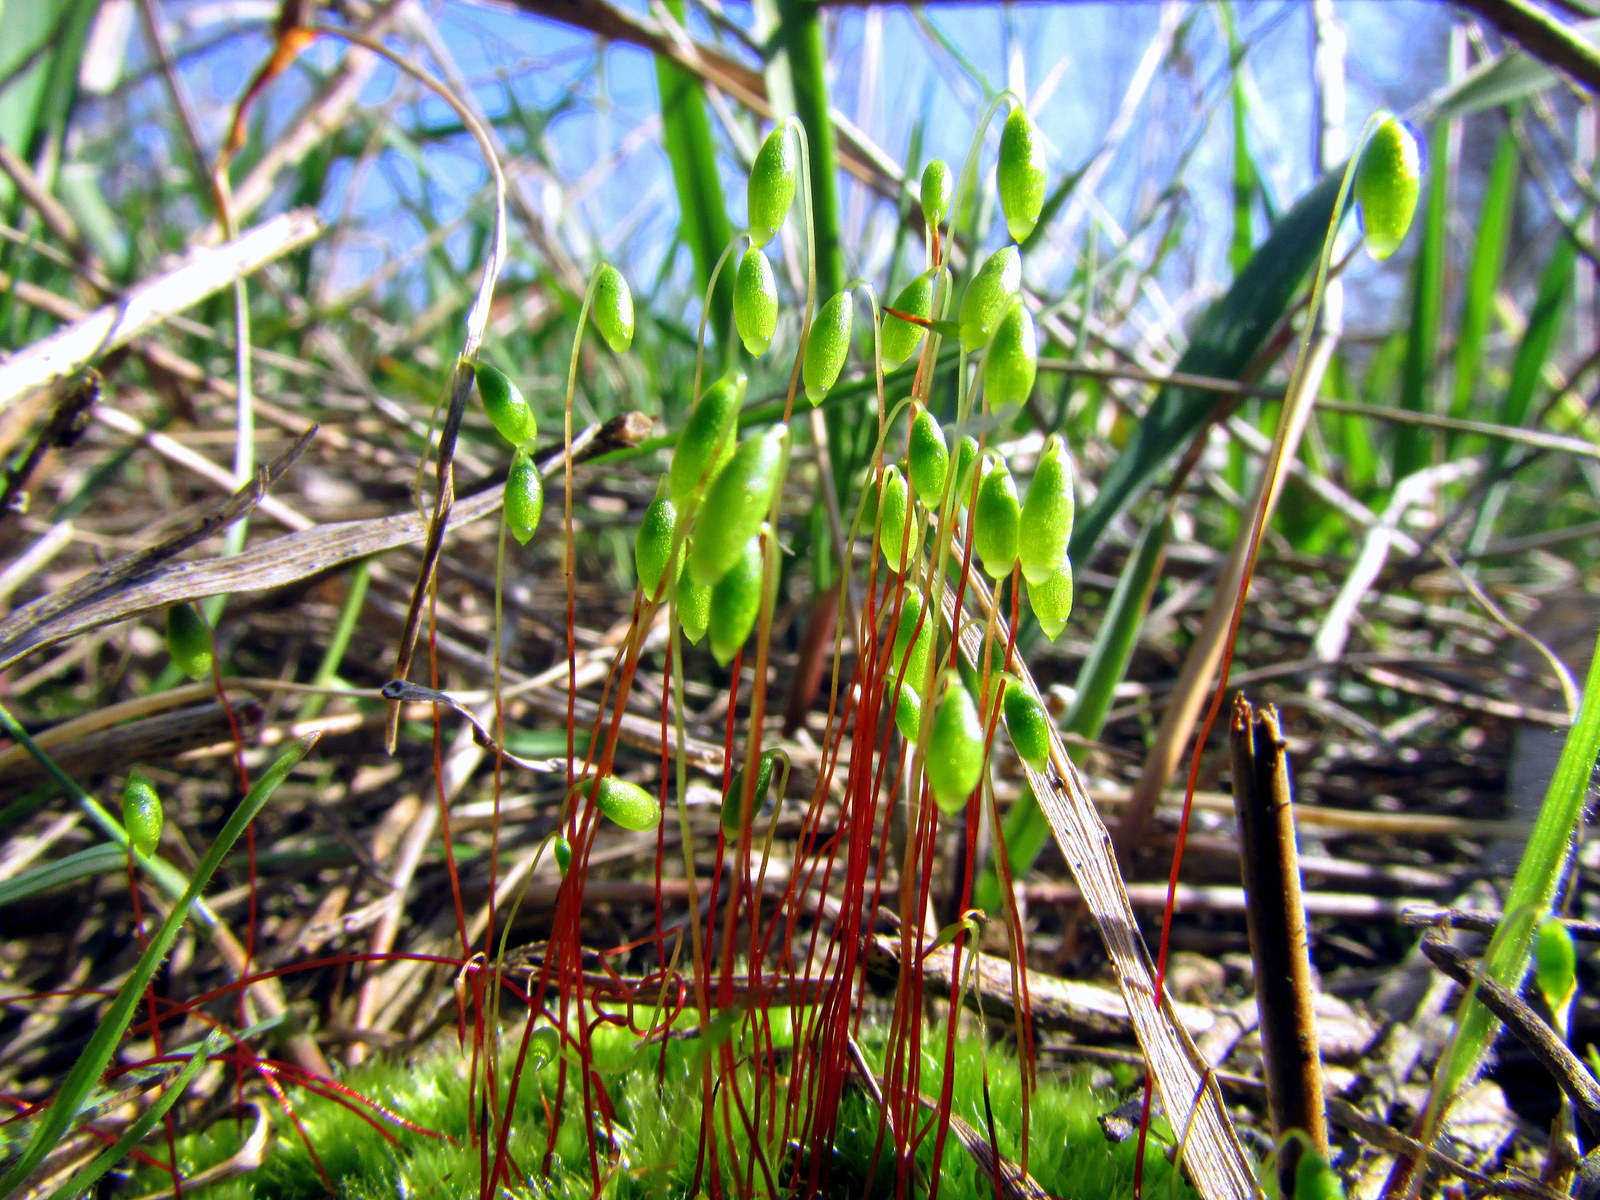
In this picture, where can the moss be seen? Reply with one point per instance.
(654, 1137)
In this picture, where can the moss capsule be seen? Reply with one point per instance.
(141, 812)
(901, 338)
(988, 295)
(628, 804)
(995, 520)
(899, 542)
(707, 439)
(524, 498)
(1020, 173)
(189, 641)
(908, 712)
(1051, 601)
(755, 302)
(955, 749)
(937, 190)
(1047, 513)
(694, 608)
(758, 799)
(504, 405)
(652, 545)
(966, 459)
(1012, 362)
(827, 347)
(612, 307)
(771, 187)
(913, 641)
(736, 504)
(562, 849)
(1388, 183)
(1027, 723)
(927, 458)
(736, 602)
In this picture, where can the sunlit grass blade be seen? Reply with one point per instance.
(83, 1179)
(692, 151)
(56, 1120)
(1246, 178)
(1229, 335)
(1532, 890)
(1483, 276)
(1412, 444)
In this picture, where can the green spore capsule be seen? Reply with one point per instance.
(612, 307)
(1047, 513)
(524, 498)
(955, 750)
(908, 712)
(141, 812)
(562, 849)
(758, 799)
(1314, 1179)
(628, 804)
(771, 187)
(901, 338)
(936, 193)
(1555, 963)
(694, 608)
(913, 654)
(736, 602)
(827, 347)
(966, 459)
(1012, 362)
(1027, 723)
(1020, 173)
(707, 440)
(927, 458)
(988, 296)
(504, 405)
(189, 641)
(1051, 601)
(1388, 183)
(899, 543)
(736, 504)
(652, 545)
(755, 302)
(545, 1044)
(995, 521)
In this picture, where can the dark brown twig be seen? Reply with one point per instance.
(1291, 1059)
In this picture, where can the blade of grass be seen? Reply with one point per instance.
(1532, 890)
(92, 1062)
(692, 153)
(85, 1178)
(1246, 179)
(1412, 444)
(1483, 275)
(1229, 335)
(1533, 352)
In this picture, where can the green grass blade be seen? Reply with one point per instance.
(1483, 275)
(85, 1178)
(81, 864)
(85, 1074)
(1246, 179)
(800, 31)
(1538, 340)
(1026, 827)
(1412, 443)
(1226, 339)
(692, 152)
(1533, 887)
